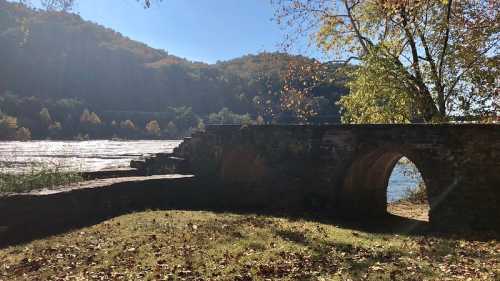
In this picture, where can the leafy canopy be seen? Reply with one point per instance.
(442, 56)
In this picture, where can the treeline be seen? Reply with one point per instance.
(61, 63)
(25, 118)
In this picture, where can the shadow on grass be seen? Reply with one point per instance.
(25, 218)
(356, 260)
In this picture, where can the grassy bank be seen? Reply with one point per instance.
(37, 178)
(182, 245)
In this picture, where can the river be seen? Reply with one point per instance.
(91, 155)
(95, 155)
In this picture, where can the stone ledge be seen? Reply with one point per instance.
(97, 183)
(110, 173)
(28, 216)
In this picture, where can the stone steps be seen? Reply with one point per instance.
(164, 163)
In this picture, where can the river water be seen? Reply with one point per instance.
(91, 155)
(97, 155)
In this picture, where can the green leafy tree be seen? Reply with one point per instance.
(376, 94)
(45, 117)
(444, 52)
(201, 125)
(171, 130)
(225, 116)
(185, 118)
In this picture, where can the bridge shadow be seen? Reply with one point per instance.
(190, 196)
(390, 224)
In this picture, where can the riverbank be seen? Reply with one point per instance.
(189, 245)
(407, 209)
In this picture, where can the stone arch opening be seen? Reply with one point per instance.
(364, 192)
(407, 192)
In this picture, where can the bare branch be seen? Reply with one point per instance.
(446, 38)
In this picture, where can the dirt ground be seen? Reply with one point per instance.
(409, 210)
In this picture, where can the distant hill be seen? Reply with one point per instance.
(55, 56)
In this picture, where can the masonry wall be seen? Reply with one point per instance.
(344, 170)
(24, 217)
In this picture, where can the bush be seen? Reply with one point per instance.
(417, 195)
(38, 177)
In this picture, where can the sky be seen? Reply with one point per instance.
(198, 30)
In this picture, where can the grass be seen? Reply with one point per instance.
(38, 177)
(188, 245)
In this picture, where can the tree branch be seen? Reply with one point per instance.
(435, 76)
(446, 38)
(414, 52)
(467, 68)
(362, 40)
(425, 97)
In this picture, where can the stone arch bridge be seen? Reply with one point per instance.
(344, 169)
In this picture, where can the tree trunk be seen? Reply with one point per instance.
(428, 108)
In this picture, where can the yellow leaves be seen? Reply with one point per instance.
(8, 121)
(377, 94)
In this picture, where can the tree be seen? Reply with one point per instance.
(153, 128)
(85, 117)
(376, 95)
(91, 118)
(443, 53)
(68, 5)
(302, 78)
(201, 126)
(55, 129)
(94, 119)
(8, 126)
(23, 134)
(225, 116)
(171, 129)
(127, 124)
(45, 117)
(185, 118)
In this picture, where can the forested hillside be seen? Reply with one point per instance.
(63, 77)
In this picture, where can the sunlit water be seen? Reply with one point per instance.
(98, 155)
(92, 155)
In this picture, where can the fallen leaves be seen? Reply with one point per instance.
(178, 245)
